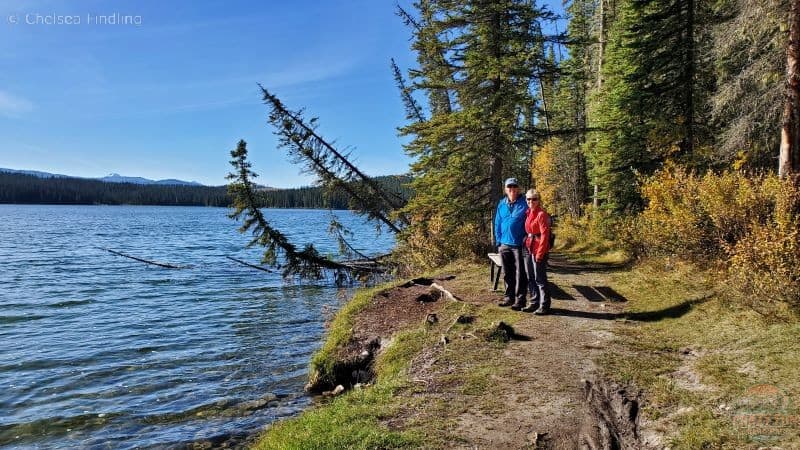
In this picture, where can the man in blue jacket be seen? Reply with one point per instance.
(509, 235)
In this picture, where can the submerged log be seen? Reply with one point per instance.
(365, 265)
(252, 266)
(146, 261)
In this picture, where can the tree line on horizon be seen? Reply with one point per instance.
(29, 189)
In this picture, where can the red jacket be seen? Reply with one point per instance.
(537, 226)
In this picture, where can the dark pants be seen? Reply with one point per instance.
(537, 280)
(514, 272)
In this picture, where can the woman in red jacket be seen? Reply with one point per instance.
(537, 245)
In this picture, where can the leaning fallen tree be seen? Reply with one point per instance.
(334, 172)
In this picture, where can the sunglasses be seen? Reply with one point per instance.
(532, 199)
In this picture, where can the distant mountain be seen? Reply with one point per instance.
(21, 188)
(113, 178)
(117, 178)
(35, 173)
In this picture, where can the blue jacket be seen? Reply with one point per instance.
(509, 222)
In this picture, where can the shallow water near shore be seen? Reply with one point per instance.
(97, 350)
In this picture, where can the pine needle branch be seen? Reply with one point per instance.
(332, 167)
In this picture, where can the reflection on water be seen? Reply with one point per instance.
(99, 350)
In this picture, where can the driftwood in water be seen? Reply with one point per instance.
(155, 263)
(365, 265)
(356, 264)
(253, 266)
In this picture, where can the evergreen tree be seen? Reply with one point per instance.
(655, 81)
(789, 156)
(618, 150)
(278, 250)
(478, 61)
(749, 53)
(22, 188)
(674, 73)
(333, 168)
(560, 165)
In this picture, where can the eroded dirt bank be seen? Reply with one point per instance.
(471, 389)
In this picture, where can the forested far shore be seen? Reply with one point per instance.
(29, 189)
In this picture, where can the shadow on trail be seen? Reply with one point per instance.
(589, 293)
(600, 294)
(520, 337)
(557, 293)
(561, 265)
(586, 314)
(610, 294)
(672, 312)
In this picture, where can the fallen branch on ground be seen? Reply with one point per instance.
(446, 293)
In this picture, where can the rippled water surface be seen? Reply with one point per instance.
(98, 350)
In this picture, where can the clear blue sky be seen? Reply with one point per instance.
(170, 93)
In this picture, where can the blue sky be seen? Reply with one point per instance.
(168, 94)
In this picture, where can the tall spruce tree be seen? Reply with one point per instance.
(671, 40)
(562, 171)
(749, 53)
(650, 105)
(789, 156)
(478, 63)
(278, 250)
(618, 149)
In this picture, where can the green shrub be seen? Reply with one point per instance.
(434, 241)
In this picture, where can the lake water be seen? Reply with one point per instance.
(100, 351)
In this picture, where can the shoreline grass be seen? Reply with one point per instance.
(694, 354)
(698, 356)
(357, 419)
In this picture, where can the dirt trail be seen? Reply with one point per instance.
(537, 398)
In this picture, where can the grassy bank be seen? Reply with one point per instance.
(699, 357)
(351, 420)
(393, 411)
(695, 356)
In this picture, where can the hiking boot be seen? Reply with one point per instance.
(518, 306)
(542, 311)
(531, 308)
(506, 302)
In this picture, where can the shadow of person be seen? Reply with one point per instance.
(599, 315)
(556, 293)
(671, 312)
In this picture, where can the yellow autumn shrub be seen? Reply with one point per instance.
(746, 225)
(764, 266)
(543, 172)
